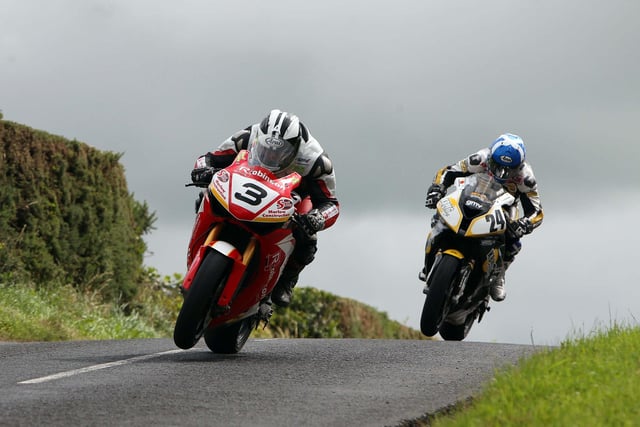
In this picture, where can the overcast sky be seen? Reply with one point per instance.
(393, 91)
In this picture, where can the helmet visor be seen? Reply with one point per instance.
(502, 172)
(272, 153)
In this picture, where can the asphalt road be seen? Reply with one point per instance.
(275, 382)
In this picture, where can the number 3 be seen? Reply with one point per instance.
(253, 195)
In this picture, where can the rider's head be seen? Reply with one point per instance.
(507, 157)
(277, 141)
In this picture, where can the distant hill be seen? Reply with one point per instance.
(314, 313)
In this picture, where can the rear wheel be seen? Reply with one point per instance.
(433, 311)
(229, 339)
(194, 313)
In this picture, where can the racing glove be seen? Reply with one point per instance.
(521, 227)
(434, 194)
(202, 176)
(311, 222)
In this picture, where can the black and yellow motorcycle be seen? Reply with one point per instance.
(464, 253)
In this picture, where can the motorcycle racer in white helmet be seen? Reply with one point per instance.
(283, 144)
(504, 159)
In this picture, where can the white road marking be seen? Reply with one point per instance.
(96, 367)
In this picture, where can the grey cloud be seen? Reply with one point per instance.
(393, 91)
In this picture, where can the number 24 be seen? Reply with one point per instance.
(497, 221)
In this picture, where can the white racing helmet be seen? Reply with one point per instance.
(277, 141)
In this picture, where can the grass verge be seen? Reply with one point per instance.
(61, 312)
(593, 380)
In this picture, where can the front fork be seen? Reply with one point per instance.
(240, 263)
(458, 286)
(430, 260)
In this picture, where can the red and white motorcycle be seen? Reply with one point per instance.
(240, 243)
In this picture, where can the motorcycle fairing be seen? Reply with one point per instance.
(271, 264)
(491, 223)
(475, 207)
(224, 248)
(253, 193)
(450, 211)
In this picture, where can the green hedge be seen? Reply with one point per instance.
(66, 214)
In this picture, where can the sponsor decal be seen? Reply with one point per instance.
(275, 142)
(272, 261)
(511, 187)
(262, 175)
(446, 206)
(222, 191)
(284, 204)
(506, 159)
(330, 212)
(275, 214)
(473, 204)
(223, 175)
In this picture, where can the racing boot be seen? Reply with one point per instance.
(281, 294)
(303, 254)
(497, 284)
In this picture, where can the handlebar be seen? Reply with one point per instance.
(201, 184)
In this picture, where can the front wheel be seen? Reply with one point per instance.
(434, 309)
(450, 332)
(229, 339)
(192, 319)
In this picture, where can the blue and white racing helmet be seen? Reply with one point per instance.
(507, 157)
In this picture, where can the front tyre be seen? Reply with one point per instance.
(433, 311)
(450, 332)
(229, 339)
(193, 315)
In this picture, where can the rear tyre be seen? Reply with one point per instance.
(195, 309)
(229, 339)
(433, 311)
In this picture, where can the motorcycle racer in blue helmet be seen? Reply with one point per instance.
(504, 159)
